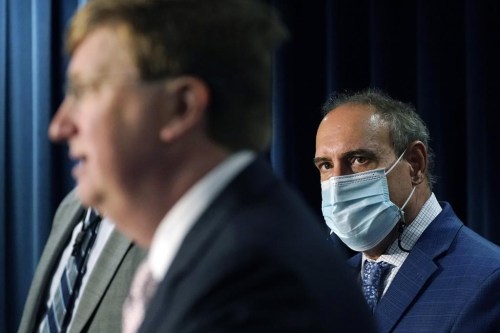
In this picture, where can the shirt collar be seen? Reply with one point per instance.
(394, 255)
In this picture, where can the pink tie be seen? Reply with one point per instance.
(141, 290)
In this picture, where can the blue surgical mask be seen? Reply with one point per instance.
(358, 210)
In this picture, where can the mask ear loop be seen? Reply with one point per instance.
(402, 222)
(401, 228)
(395, 163)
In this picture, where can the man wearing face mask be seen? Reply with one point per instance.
(419, 267)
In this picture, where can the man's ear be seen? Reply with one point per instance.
(416, 155)
(191, 99)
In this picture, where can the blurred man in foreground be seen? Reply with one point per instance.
(167, 108)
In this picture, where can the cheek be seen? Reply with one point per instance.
(140, 127)
(104, 155)
(132, 146)
(400, 186)
(123, 134)
(99, 128)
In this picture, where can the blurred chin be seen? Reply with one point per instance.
(87, 195)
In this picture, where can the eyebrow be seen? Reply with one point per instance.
(318, 160)
(363, 152)
(79, 75)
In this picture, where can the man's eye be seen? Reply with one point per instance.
(74, 91)
(357, 160)
(78, 90)
(324, 166)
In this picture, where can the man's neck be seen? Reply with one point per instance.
(381, 248)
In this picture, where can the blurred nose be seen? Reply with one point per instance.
(62, 126)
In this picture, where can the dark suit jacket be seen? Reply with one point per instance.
(450, 282)
(101, 302)
(257, 261)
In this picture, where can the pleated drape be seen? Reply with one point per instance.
(33, 173)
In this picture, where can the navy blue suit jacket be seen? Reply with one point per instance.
(450, 282)
(257, 261)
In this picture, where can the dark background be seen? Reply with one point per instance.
(441, 56)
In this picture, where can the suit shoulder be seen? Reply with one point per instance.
(472, 253)
(68, 208)
(71, 199)
(477, 245)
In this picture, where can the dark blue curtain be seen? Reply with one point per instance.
(33, 173)
(439, 55)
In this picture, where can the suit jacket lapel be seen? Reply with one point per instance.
(416, 270)
(410, 279)
(58, 238)
(213, 219)
(109, 260)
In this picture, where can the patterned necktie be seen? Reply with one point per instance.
(59, 313)
(372, 276)
(141, 290)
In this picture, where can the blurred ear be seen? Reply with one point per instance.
(416, 155)
(190, 101)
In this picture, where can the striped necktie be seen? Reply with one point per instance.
(59, 313)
